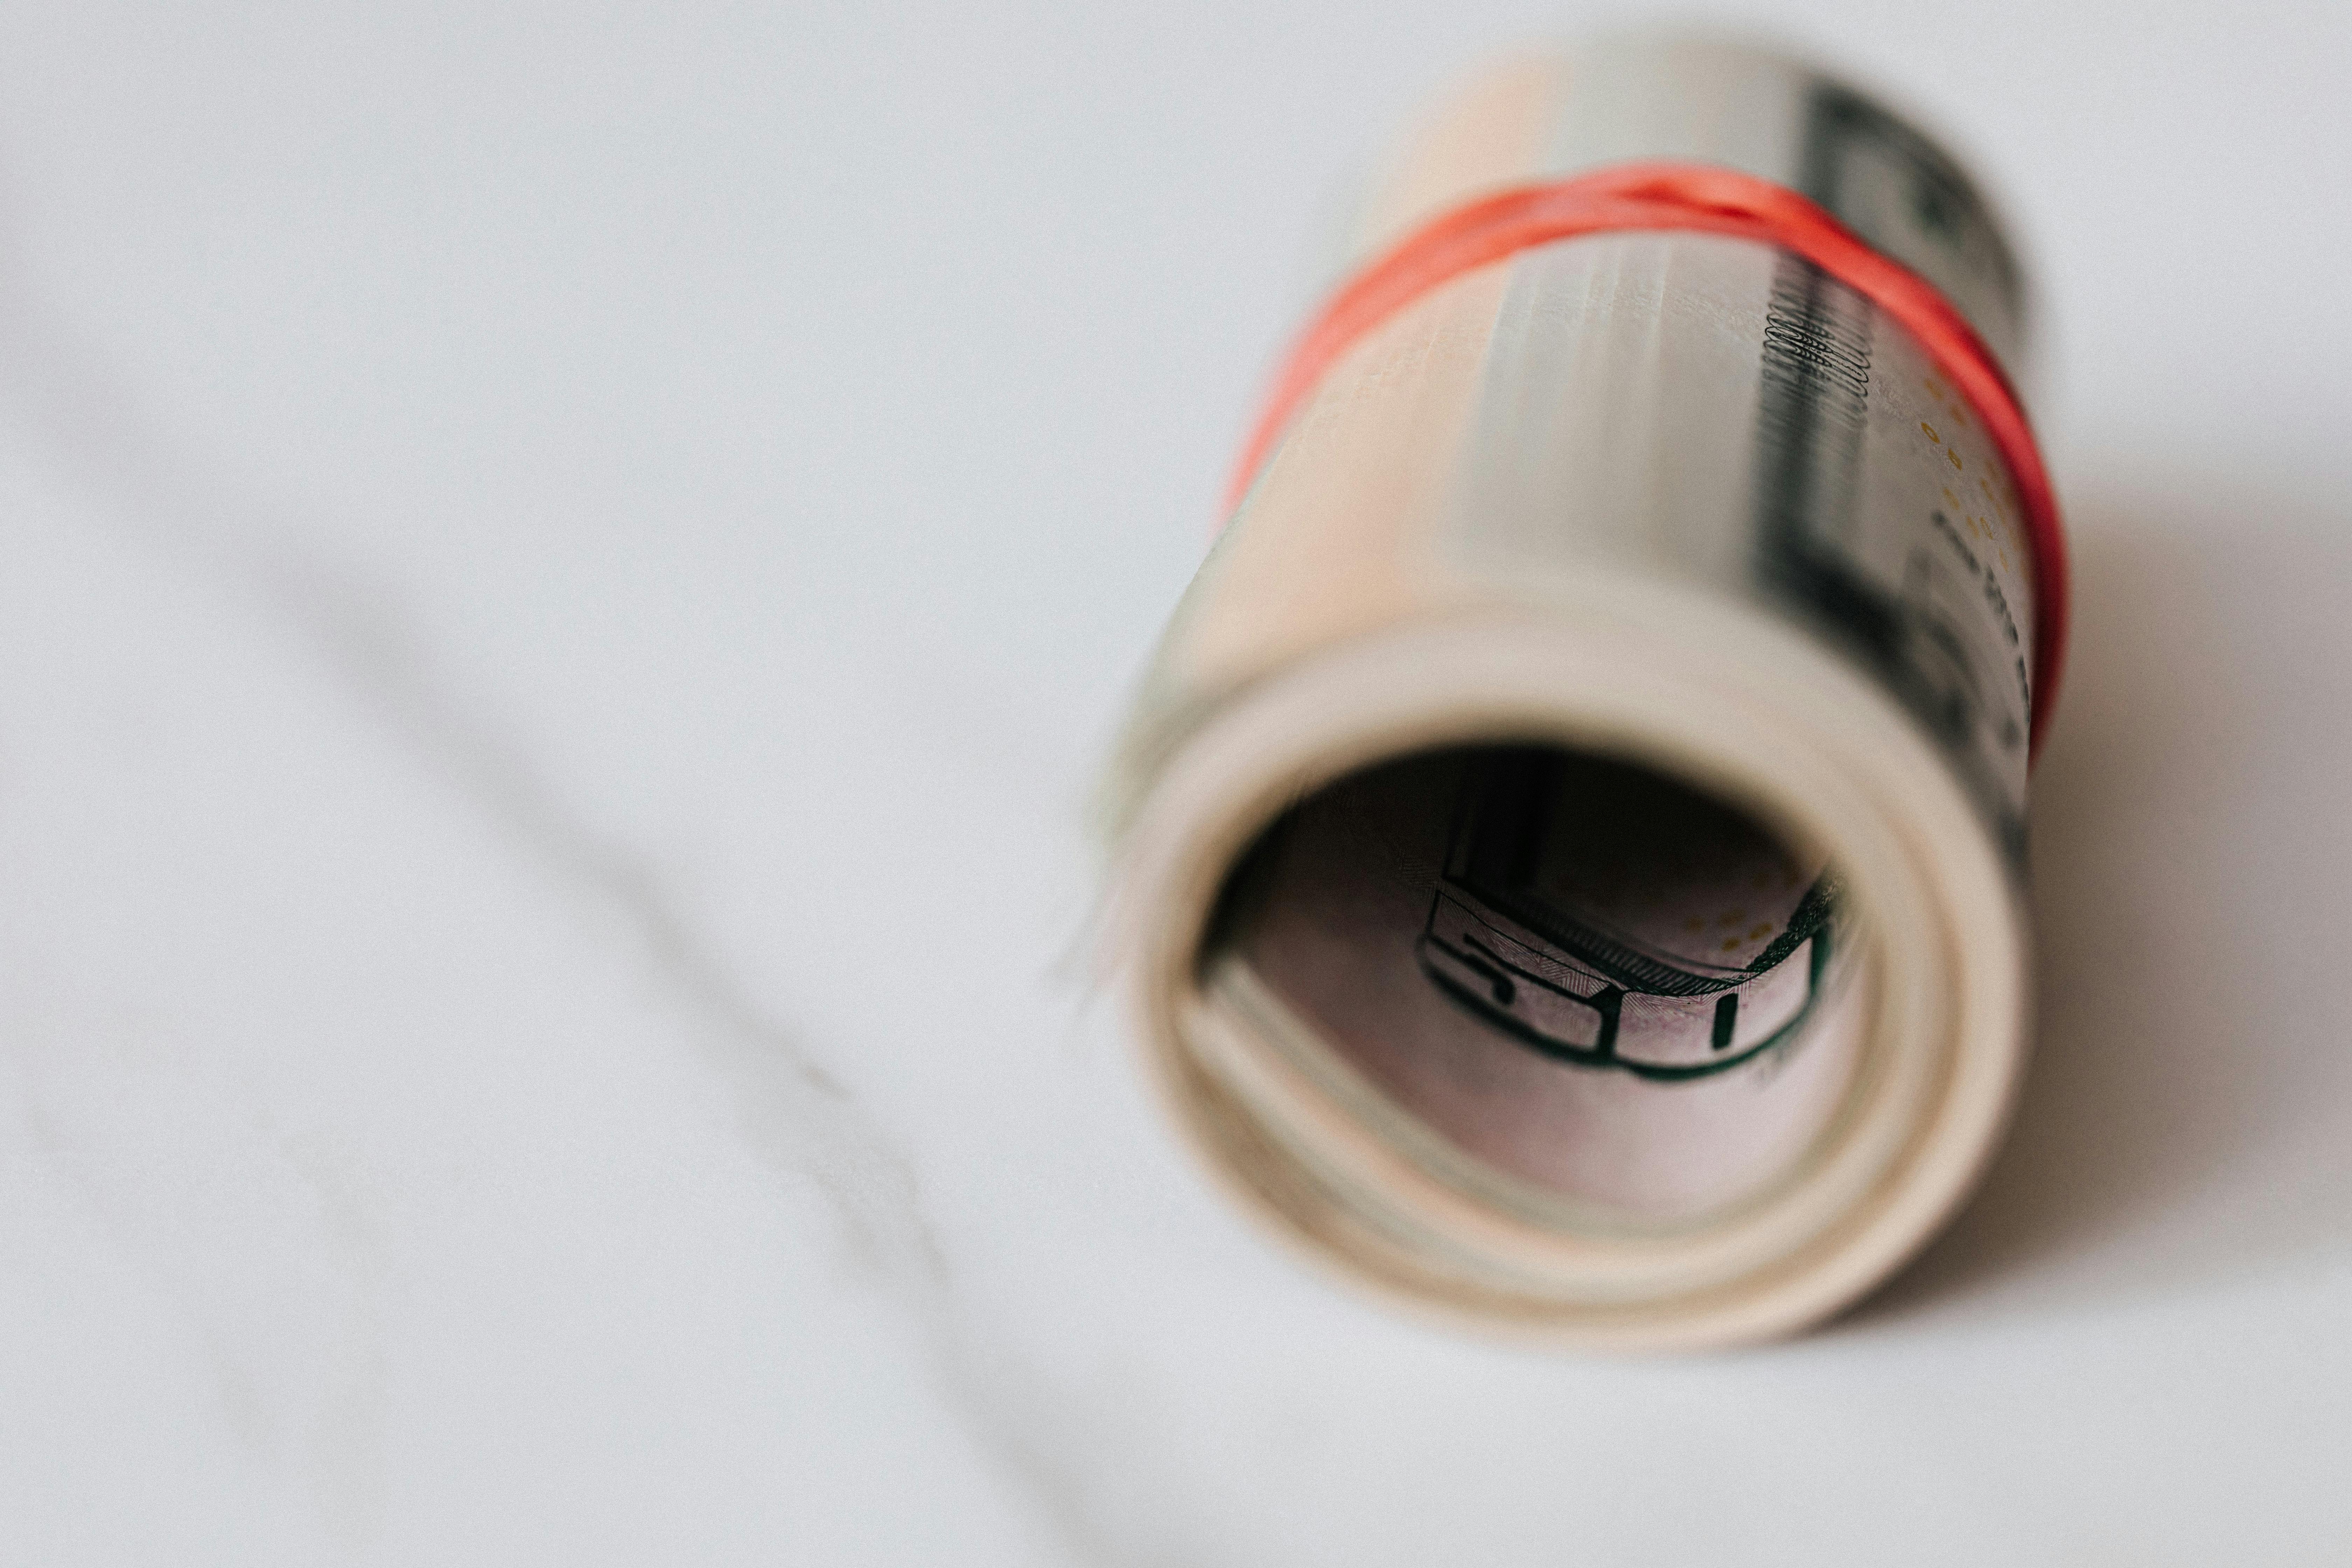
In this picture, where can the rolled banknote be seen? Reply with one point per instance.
(1569, 840)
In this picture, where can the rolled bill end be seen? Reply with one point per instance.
(1569, 840)
(1868, 1141)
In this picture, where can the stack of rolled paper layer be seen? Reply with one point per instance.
(1570, 839)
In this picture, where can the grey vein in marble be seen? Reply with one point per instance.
(798, 1119)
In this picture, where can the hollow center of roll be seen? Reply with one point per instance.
(1590, 977)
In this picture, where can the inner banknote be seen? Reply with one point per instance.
(1589, 976)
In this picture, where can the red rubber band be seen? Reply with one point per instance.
(1693, 196)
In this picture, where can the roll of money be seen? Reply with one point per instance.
(1570, 839)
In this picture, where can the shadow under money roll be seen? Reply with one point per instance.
(1570, 836)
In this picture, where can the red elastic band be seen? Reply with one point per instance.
(1693, 196)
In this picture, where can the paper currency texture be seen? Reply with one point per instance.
(1569, 840)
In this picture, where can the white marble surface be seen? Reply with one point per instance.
(562, 573)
